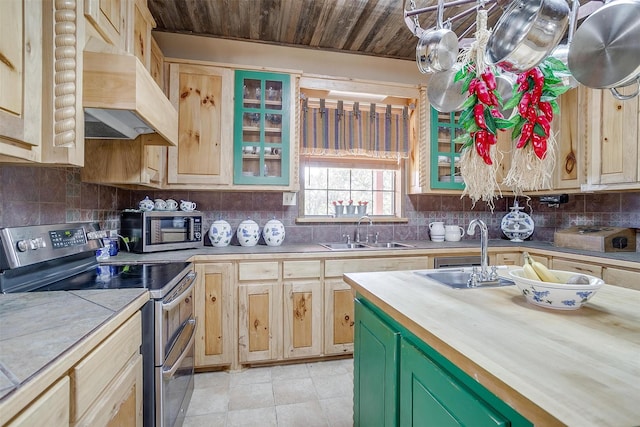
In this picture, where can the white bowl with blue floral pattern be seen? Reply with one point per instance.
(248, 233)
(273, 233)
(558, 296)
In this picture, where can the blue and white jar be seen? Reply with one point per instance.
(273, 233)
(248, 233)
(220, 233)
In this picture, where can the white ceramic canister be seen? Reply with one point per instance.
(248, 233)
(436, 230)
(273, 232)
(220, 233)
(453, 233)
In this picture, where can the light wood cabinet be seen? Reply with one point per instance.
(302, 318)
(108, 18)
(514, 258)
(612, 125)
(104, 380)
(138, 40)
(136, 162)
(20, 77)
(620, 277)
(214, 302)
(570, 127)
(259, 322)
(50, 409)
(576, 266)
(203, 96)
(338, 317)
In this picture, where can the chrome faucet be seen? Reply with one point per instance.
(484, 243)
(367, 218)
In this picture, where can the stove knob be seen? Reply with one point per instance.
(33, 244)
(197, 235)
(22, 245)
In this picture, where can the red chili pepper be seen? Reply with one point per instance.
(539, 145)
(546, 125)
(489, 79)
(546, 109)
(538, 77)
(482, 146)
(496, 113)
(483, 93)
(523, 106)
(525, 134)
(531, 114)
(472, 86)
(478, 113)
(491, 139)
(523, 82)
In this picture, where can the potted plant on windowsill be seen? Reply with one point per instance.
(351, 208)
(362, 207)
(338, 207)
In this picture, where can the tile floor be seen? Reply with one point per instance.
(306, 394)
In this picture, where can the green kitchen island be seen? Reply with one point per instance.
(429, 355)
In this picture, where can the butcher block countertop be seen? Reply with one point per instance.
(44, 334)
(577, 368)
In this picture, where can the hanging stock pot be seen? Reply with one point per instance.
(605, 50)
(526, 33)
(437, 50)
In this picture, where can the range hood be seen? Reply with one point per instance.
(122, 101)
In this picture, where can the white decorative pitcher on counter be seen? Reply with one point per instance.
(453, 233)
(437, 231)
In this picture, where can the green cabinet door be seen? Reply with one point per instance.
(375, 375)
(429, 396)
(445, 152)
(261, 137)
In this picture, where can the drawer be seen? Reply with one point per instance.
(336, 268)
(577, 267)
(258, 271)
(301, 269)
(50, 409)
(94, 373)
(619, 277)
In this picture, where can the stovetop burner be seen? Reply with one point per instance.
(148, 276)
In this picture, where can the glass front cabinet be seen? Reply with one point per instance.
(445, 152)
(262, 128)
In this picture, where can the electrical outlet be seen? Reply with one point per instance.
(288, 199)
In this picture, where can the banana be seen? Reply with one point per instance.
(541, 270)
(529, 272)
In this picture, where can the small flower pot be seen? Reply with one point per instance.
(339, 210)
(362, 209)
(351, 209)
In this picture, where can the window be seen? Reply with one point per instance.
(375, 184)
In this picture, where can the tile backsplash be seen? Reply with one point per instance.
(40, 195)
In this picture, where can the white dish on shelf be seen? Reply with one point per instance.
(444, 159)
(447, 178)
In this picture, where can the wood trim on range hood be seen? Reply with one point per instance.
(120, 82)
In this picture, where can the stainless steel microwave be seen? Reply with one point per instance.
(155, 231)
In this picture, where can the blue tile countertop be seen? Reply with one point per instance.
(40, 328)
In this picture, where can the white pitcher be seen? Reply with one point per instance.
(453, 233)
(437, 231)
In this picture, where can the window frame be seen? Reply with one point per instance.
(354, 162)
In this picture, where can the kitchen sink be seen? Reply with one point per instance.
(343, 246)
(458, 278)
(381, 245)
(389, 245)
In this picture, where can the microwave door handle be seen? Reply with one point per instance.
(168, 372)
(191, 229)
(178, 299)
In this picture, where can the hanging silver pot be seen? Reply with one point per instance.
(526, 33)
(605, 50)
(561, 52)
(437, 50)
(443, 93)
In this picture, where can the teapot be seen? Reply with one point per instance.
(187, 206)
(160, 205)
(172, 205)
(146, 204)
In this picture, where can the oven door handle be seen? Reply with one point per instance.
(177, 299)
(169, 371)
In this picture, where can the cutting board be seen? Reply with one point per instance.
(597, 238)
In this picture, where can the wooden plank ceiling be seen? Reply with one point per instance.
(369, 27)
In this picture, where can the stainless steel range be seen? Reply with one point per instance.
(61, 257)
